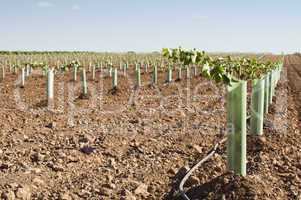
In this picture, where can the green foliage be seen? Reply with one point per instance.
(221, 70)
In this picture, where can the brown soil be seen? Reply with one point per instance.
(132, 144)
(294, 75)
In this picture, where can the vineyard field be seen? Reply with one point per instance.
(136, 142)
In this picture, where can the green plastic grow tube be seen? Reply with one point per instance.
(257, 106)
(236, 123)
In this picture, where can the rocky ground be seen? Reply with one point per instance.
(136, 144)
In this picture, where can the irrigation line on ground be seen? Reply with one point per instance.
(209, 155)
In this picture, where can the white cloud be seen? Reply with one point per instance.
(44, 4)
(75, 7)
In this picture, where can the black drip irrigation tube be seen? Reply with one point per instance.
(188, 174)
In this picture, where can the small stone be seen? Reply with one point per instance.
(197, 148)
(56, 167)
(112, 163)
(13, 185)
(51, 125)
(87, 150)
(105, 191)
(127, 195)
(36, 170)
(10, 195)
(268, 124)
(152, 188)
(172, 171)
(218, 169)
(86, 139)
(71, 158)
(182, 172)
(4, 166)
(110, 185)
(26, 138)
(37, 157)
(262, 139)
(24, 193)
(38, 181)
(192, 180)
(134, 121)
(109, 178)
(83, 193)
(61, 154)
(141, 190)
(65, 196)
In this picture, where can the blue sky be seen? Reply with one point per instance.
(140, 25)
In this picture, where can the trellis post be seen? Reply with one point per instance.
(169, 75)
(155, 75)
(50, 86)
(179, 74)
(74, 73)
(2, 73)
(84, 83)
(138, 77)
(114, 80)
(23, 77)
(187, 72)
(93, 72)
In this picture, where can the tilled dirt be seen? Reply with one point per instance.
(294, 74)
(135, 143)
